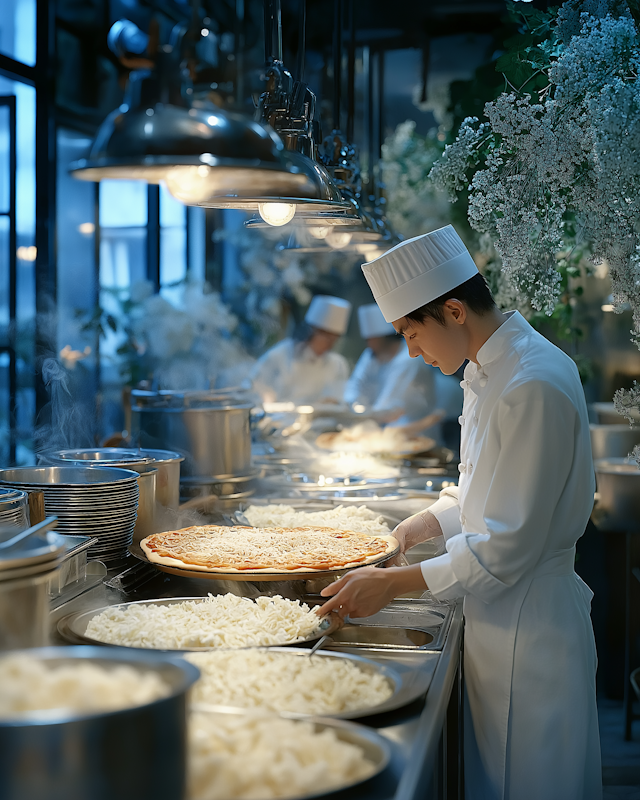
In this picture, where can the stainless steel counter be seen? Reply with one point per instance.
(421, 760)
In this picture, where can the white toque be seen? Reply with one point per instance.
(415, 272)
(372, 323)
(329, 313)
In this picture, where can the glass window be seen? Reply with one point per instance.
(4, 409)
(4, 159)
(123, 204)
(197, 255)
(18, 30)
(25, 254)
(173, 246)
(76, 234)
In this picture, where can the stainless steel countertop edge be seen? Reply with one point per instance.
(420, 761)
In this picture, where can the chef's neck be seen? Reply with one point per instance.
(480, 328)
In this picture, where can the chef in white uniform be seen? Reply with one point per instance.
(396, 387)
(307, 371)
(524, 497)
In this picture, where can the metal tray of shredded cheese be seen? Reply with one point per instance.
(73, 627)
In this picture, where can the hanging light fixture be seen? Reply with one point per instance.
(155, 135)
(287, 107)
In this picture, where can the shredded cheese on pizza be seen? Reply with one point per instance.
(244, 757)
(240, 549)
(224, 621)
(286, 682)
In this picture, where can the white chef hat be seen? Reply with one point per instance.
(329, 313)
(372, 323)
(415, 272)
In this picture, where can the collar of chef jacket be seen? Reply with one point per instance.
(477, 375)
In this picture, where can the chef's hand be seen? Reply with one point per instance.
(364, 591)
(415, 529)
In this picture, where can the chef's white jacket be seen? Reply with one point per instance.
(524, 498)
(402, 382)
(291, 371)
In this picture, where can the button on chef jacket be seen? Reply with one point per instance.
(524, 498)
(400, 382)
(291, 371)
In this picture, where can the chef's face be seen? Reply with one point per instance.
(444, 346)
(322, 341)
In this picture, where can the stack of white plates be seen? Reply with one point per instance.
(88, 501)
(13, 511)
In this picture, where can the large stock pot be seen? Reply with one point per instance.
(210, 429)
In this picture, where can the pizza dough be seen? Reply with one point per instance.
(239, 549)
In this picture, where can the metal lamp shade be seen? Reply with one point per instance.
(307, 183)
(147, 143)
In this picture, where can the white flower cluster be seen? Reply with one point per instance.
(565, 170)
(188, 345)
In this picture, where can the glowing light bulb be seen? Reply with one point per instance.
(189, 184)
(277, 213)
(318, 232)
(338, 239)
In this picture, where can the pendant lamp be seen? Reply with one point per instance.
(288, 107)
(156, 132)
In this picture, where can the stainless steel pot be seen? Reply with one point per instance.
(131, 754)
(618, 498)
(168, 480)
(211, 431)
(613, 441)
(606, 414)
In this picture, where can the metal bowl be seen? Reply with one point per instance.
(132, 754)
(87, 478)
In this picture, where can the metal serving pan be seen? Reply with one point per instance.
(73, 627)
(375, 746)
(408, 685)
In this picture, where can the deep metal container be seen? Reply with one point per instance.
(613, 441)
(618, 498)
(26, 569)
(131, 754)
(210, 430)
(606, 414)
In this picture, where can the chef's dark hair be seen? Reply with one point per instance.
(474, 293)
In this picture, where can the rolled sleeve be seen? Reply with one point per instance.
(446, 510)
(440, 578)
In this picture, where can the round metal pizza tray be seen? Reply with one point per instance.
(248, 575)
(73, 627)
(408, 685)
(376, 747)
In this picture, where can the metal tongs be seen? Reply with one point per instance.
(41, 527)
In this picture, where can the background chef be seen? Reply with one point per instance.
(304, 369)
(397, 388)
(524, 498)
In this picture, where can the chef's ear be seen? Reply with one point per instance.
(455, 310)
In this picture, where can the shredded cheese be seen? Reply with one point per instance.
(286, 682)
(359, 518)
(260, 757)
(29, 685)
(224, 621)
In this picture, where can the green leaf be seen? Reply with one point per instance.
(112, 323)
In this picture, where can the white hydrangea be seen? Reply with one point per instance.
(564, 171)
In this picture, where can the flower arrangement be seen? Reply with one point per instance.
(555, 169)
(185, 344)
